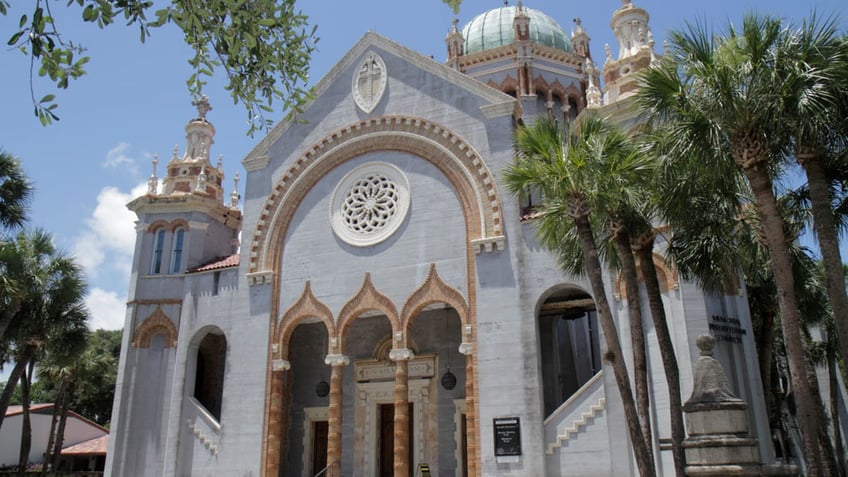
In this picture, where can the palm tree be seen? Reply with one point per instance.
(814, 58)
(574, 168)
(720, 98)
(21, 262)
(51, 316)
(15, 192)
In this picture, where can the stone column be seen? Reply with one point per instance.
(470, 408)
(401, 357)
(337, 362)
(275, 414)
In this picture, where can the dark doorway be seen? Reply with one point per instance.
(385, 447)
(464, 435)
(320, 431)
(570, 350)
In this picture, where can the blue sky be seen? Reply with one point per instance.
(133, 103)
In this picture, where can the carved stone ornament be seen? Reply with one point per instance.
(336, 360)
(710, 383)
(369, 82)
(369, 204)
(401, 354)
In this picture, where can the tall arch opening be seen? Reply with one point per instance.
(569, 344)
(209, 372)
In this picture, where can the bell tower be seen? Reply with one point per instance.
(635, 51)
(183, 221)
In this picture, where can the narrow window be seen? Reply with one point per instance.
(158, 243)
(177, 251)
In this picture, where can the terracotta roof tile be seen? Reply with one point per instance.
(96, 446)
(15, 410)
(218, 263)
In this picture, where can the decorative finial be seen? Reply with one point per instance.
(455, 23)
(234, 197)
(176, 152)
(202, 106)
(153, 182)
(220, 161)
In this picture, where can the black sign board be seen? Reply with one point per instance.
(507, 436)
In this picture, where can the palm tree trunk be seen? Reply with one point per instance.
(613, 355)
(672, 372)
(54, 418)
(26, 424)
(832, 369)
(17, 371)
(637, 332)
(63, 419)
(825, 228)
(781, 265)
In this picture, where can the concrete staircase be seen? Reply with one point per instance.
(576, 425)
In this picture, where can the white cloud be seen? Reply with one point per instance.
(104, 248)
(109, 236)
(107, 309)
(117, 158)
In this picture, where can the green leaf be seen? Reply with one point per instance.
(23, 21)
(48, 98)
(89, 14)
(14, 39)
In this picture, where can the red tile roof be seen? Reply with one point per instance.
(15, 410)
(218, 263)
(96, 446)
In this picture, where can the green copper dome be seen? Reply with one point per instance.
(494, 28)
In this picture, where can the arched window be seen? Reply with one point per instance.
(177, 250)
(209, 373)
(158, 244)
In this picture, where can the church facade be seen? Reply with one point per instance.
(378, 304)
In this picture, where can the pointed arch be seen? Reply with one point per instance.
(542, 87)
(574, 95)
(155, 324)
(509, 85)
(305, 307)
(558, 90)
(434, 290)
(368, 298)
(469, 175)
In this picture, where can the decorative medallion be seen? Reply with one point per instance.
(369, 204)
(369, 82)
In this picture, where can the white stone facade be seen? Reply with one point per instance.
(449, 278)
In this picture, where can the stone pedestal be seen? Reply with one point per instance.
(718, 442)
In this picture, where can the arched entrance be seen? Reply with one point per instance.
(568, 343)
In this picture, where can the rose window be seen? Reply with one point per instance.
(369, 204)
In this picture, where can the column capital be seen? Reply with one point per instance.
(280, 365)
(336, 360)
(466, 348)
(401, 354)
